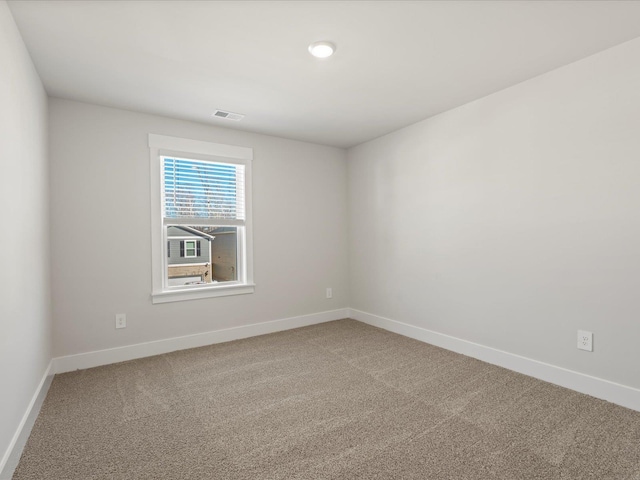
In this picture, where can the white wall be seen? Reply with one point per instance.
(101, 239)
(514, 220)
(24, 243)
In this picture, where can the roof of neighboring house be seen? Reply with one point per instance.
(193, 231)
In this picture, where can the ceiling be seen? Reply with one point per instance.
(396, 62)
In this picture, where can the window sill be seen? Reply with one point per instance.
(201, 292)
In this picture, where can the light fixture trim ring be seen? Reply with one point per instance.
(322, 49)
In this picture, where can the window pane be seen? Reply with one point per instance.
(190, 248)
(202, 189)
(214, 260)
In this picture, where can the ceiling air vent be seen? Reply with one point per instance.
(227, 115)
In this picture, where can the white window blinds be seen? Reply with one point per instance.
(199, 189)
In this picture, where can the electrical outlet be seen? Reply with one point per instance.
(585, 340)
(329, 292)
(121, 320)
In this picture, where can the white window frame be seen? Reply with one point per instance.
(195, 249)
(160, 146)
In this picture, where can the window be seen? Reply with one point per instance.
(190, 248)
(201, 219)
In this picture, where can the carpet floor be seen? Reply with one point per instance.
(339, 400)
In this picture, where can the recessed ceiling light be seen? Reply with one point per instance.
(322, 49)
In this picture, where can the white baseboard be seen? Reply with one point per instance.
(131, 352)
(596, 387)
(38, 394)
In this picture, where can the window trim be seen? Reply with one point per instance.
(195, 249)
(162, 145)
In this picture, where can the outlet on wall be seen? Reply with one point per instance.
(329, 292)
(121, 320)
(585, 340)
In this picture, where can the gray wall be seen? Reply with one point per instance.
(512, 221)
(25, 342)
(95, 151)
(224, 257)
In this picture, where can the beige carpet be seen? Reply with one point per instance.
(340, 400)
